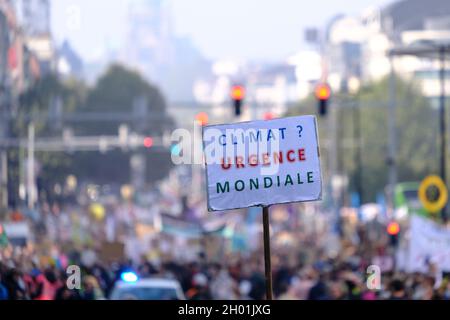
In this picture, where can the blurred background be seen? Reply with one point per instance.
(91, 91)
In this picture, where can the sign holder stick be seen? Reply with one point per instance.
(267, 256)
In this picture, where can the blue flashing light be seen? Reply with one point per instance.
(175, 150)
(129, 276)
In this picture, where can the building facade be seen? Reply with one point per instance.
(358, 47)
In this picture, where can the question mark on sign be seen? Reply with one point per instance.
(300, 129)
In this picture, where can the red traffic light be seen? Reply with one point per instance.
(323, 91)
(238, 93)
(202, 118)
(148, 142)
(393, 228)
(268, 116)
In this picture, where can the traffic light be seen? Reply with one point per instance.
(238, 95)
(268, 116)
(393, 229)
(202, 118)
(148, 142)
(323, 93)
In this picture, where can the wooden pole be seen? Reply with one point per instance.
(267, 257)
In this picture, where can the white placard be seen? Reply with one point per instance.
(260, 163)
(429, 243)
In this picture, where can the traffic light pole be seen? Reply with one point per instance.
(443, 125)
(333, 163)
(357, 154)
(3, 179)
(31, 179)
(392, 146)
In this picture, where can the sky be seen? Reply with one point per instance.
(220, 29)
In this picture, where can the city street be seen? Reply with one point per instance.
(242, 151)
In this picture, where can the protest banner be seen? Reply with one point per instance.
(112, 252)
(261, 163)
(429, 244)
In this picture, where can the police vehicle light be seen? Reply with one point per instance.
(129, 276)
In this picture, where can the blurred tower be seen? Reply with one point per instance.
(149, 47)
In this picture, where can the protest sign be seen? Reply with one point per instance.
(112, 252)
(260, 163)
(429, 244)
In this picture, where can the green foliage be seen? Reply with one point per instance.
(417, 152)
(116, 91)
(40, 102)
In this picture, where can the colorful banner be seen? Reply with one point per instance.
(429, 243)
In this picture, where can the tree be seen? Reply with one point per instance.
(416, 131)
(44, 102)
(115, 92)
(124, 92)
(121, 90)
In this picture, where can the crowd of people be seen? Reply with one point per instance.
(24, 278)
(303, 267)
